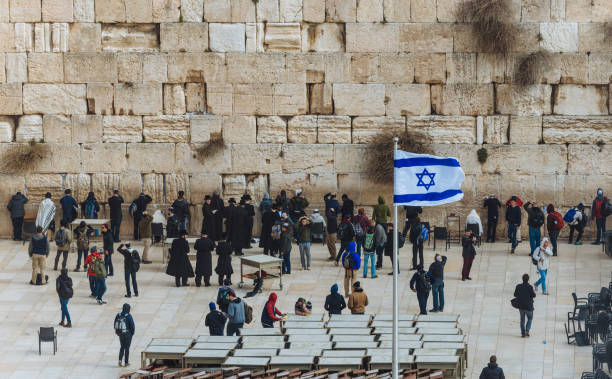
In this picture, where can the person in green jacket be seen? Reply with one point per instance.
(381, 212)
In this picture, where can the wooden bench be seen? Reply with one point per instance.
(448, 362)
(292, 362)
(339, 364)
(255, 352)
(261, 332)
(246, 362)
(212, 357)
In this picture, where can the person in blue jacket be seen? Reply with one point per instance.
(69, 206)
(125, 329)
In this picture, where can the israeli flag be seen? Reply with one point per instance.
(426, 180)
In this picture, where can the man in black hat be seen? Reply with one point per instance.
(250, 209)
(208, 223)
(217, 209)
(228, 214)
(140, 204)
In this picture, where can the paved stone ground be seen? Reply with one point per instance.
(90, 348)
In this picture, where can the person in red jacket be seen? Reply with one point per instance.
(554, 224)
(268, 316)
(598, 216)
(91, 275)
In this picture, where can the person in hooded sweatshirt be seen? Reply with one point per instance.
(125, 333)
(222, 298)
(269, 312)
(224, 263)
(63, 286)
(179, 265)
(358, 300)
(598, 215)
(17, 209)
(38, 250)
(215, 320)
(381, 212)
(203, 246)
(131, 264)
(535, 220)
(492, 371)
(236, 314)
(334, 302)
(541, 255)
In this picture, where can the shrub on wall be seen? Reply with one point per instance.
(491, 24)
(532, 67)
(483, 154)
(24, 157)
(214, 146)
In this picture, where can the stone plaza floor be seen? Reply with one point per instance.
(90, 348)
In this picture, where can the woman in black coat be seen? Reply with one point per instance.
(269, 218)
(224, 263)
(179, 265)
(208, 223)
(239, 232)
(203, 246)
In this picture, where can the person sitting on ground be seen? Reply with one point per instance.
(269, 313)
(492, 371)
(215, 320)
(300, 307)
(334, 302)
(358, 300)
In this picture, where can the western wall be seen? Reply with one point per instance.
(129, 94)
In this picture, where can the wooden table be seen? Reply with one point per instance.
(255, 352)
(214, 346)
(289, 362)
(95, 223)
(448, 362)
(363, 331)
(344, 353)
(312, 317)
(385, 362)
(260, 332)
(350, 317)
(299, 338)
(443, 338)
(353, 338)
(356, 345)
(339, 364)
(299, 331)
(300, 352)
(212, 357)
(347, 324)
(153, 352)
(438, 318)
(167, 243)
(261, 262)
(214, 339)
(304, 325)
(247, 362)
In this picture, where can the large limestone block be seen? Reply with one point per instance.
(80, 184)
(16, 68)
(122, 129)
(341, 10)
(523, 101)
(407, 99)
(366, 128)
(308, 158)
(7, 42)
(290, 10)
(254, 37)
(227, 37)
(461, 68)
(599, 68)
(423, 11)
(87, 128)
(141, 160)
(359, 99)
(425, 38)
(243, 11)
(192, 10)
(446, 11)
(288, 182)
(490, 68)
(441, 130)
(85, 37)
(45, 68)
(188, 161)
(57, 11)
(220, 98)
(90, 68)
(369, 11)
(188, 36)
(365, 68)
(24, 37)
(239, 129)
(535, 11)
(110, 11)
(11, 99)
(202, 126)
(350, 158)
(396, 10)
(282, 37)
(4, 11)
(166, 10)
(154, 68)
(256, 158)
(202, 185)
(302, 129)
(100, 98)
(234, 185)
(12, 183)
(377, 37)
(495, 129)
(290, 99)
(333, 129)
(536, 159)
(318, 185)
(256, 99)
(138, 99)
(268, 10)
(576, 129)
(57, 128)
(39, 184)
(7, 129)
(321, 99)
(463, 99)
(105, 184)
(525, 130)
(84, 11)
(54, 98)
(271, 129)
(196, 67)
(139, 11)
(104, 158)
(25, 10)
(466, 154)
(30, 128)
(571, 190)
(559, 36)
(130, 37)
(572, 99)
(174, 99)
(429, 68)
(217, 11)
(592, 38)
(2, 68)
(313, 10)
(129, 68)
(256, 68)
(166, 128)
(590, 160)
(396, 68)
(195, 97)
(175, 183)
(523, 185)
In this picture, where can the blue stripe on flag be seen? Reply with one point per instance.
(431, 196)
(411, 162)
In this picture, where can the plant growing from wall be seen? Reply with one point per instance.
(600, 144)
(483, 154)
(24, 157)
(491, 24)
(531, 68)
(211, 148)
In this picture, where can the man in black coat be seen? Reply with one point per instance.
(525, 294)
(215, 320)
(492, 371)
(417, 244)
(468, 253)
(131, 264)
(348, 207)
(107, 242)
(141, 203)
(228, 213)
(412, 213)
(239, 236)
(173, 225)
(203, 246)
(17, 209)
(217, 209)
(180, 206)
(114, 205)
(250, 209)
(209, 224)
(492, 205)
(268, 219)
(513, 219)
(224, 264)
(334, 302)
(421, 284)
(179, 265)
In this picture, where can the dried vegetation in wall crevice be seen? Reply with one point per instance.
(24, 157)
(491, 23)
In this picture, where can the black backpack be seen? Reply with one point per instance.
(538, 218)
(135, 261)
(424, 280)
(121, 325)
(348, 262)
(606, 208)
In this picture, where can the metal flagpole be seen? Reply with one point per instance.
(395, 357)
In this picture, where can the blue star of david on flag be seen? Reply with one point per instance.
(426, 173)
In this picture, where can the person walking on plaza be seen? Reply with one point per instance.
(215, 320)
(468, 253)
(351, 261)
(270, 312)
(381, 212)
(554, 224)
(535, 220)
(222, 295)
(541, 255)
(145, 232)
(114, 205)
(236, 314)
(524, 295)
(369, 250)
(63, 287)
(492, 204)
(414, 236)
(357, 300)
(346, 234)
(492, 371)
(334, 302)
(82, 234)
(46, 214)
(380, 240)
(303, 230)
(90, 207)
(179, 265)
(224, 267)
(131, 265)
(389, 246)
(599, 211)
(348, 207)
(137, 208)
(38, 249)
(69, 206)
(91, 275)
(125, 330)
(99, 269)
(203, 247)
(513, 219)
(63, 238)
(436, 275)
(421, 284)
(577, 223)
(332, 233)
(17, 209)
(285, 248)
(107, 246)
(181, 210)
(361, 222)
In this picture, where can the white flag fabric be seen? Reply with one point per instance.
(426, 180)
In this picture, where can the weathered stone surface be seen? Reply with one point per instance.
(587, 159)
(174, 99)
(341, 11)
(535, 11)
(87, 128)
(110, 11)
(350, 158)
(396, 10)
(57, 128)
(7, 129)
(130, 37)
(220, 98)
(514, 159)
(396, 68)
(271, 129)
(290, 99)
(100, 98)
(57, 11)
(429, 68)
(559, 37)
(45, 68)
(11, 99)
(490, 68)
(574, 68)
(189, 161)
(39, 184)
(256, 158)
(202, 185)
(192, 10)
(282, 37)
(290, 10)
(256, 68)
(312, 11)
(599, 68)
(122, 129)
(253, 99)
(165, 128)
(166, 10)
(366, 128)
(376, 37)
(25, 10)
(463, 99)
(84, 11)
(572, 99)
(85, 37)
(407, 99)
(226, 37)
(585, 130)
(4, 11)
(308, 158)
(54, 99)
(359, 99)
(302, 129)
(138, 99)
(321, 99)
(30, 128)
(446, 11)
(532, 100)
(139, 11)
(217, 11)
(495, 129)
(425, 38)
(460, 68)
(195, 97)
(2, 68)
(90, 67)
(364, 68)
(243, 11)
(16, 68)
(202, 126)
(139, 159)
(333, 129)
(446, 130)
(369, 11)
(239, 129)
(129, 68)
(154, 68)
(188, 36)
(525, 130)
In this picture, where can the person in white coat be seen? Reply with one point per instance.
(474, 218)
(541, 254)
(46, 214)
